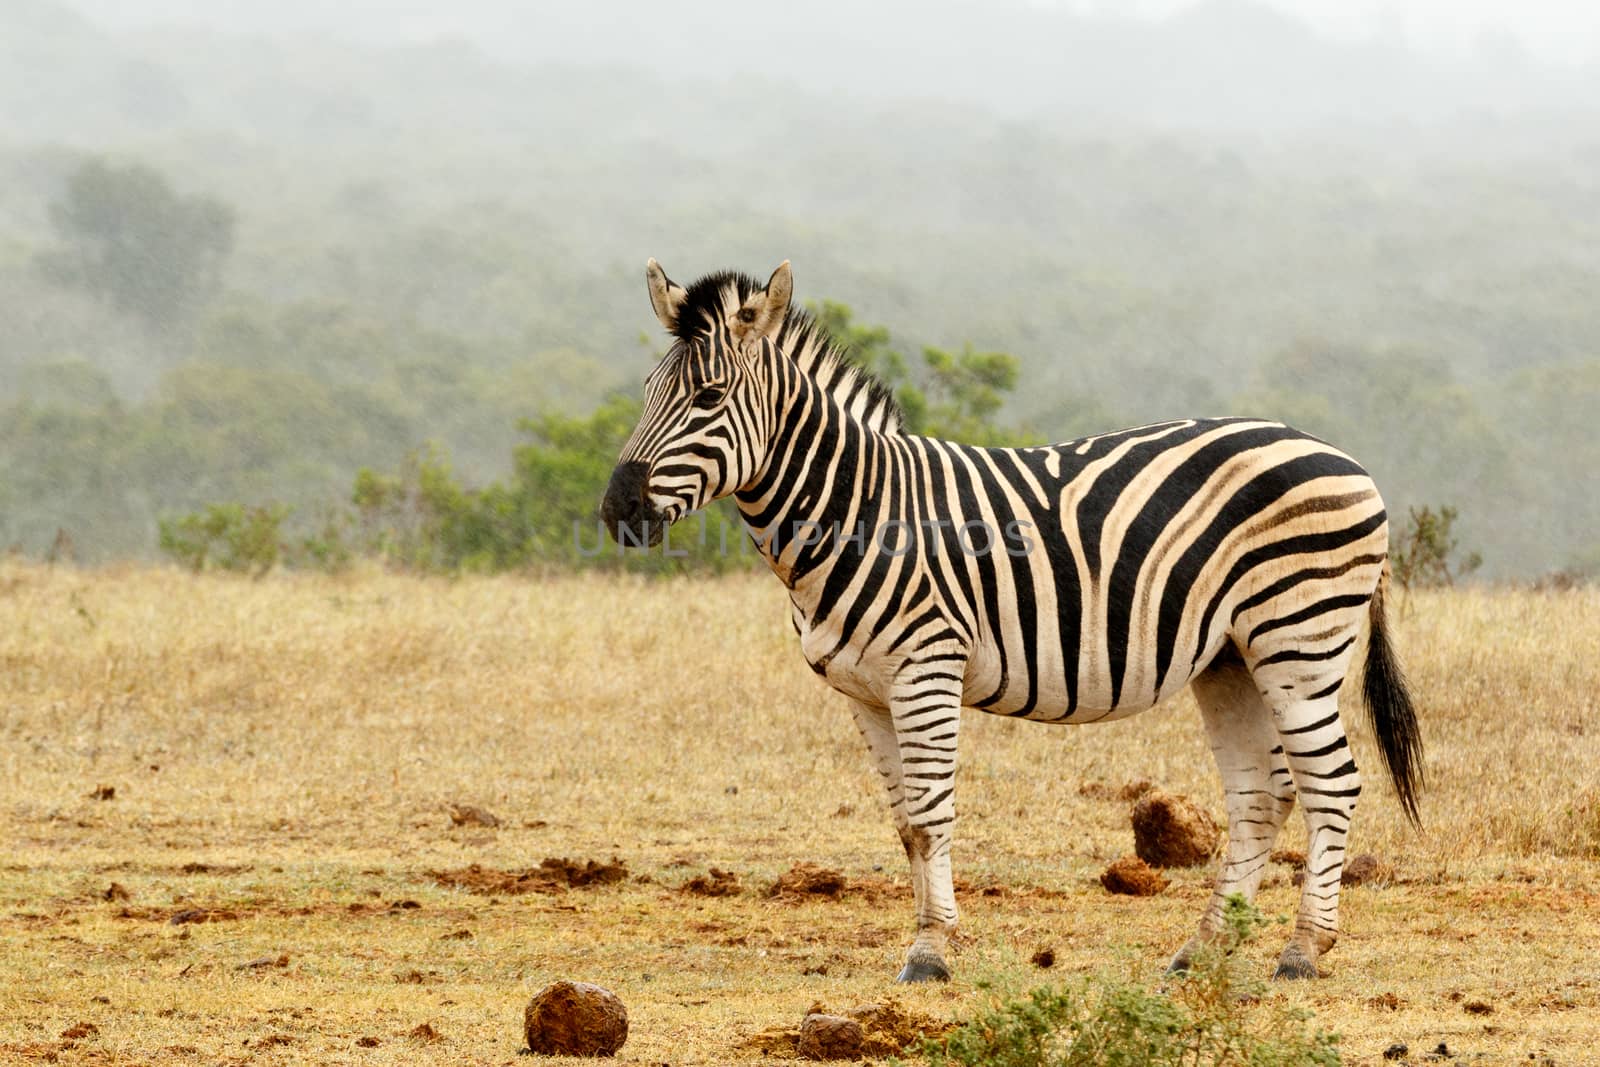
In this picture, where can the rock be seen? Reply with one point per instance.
(1131, 876)
(1397, 1051)
(1366, 868)
(262, 963)
(575, 1019)
(471, 815)
(1172, 831)
(830, 1037)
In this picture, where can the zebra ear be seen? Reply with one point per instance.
(772, 303)
(666, 295)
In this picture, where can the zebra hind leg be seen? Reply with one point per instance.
(1256, 782)
(1318, 755)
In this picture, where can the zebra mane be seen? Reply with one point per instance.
(715, 299)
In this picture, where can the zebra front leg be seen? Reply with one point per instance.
(914, 746)
(926, 711)
(877, 727)
(1258, 788)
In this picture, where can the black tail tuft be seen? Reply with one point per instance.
(1394, 719)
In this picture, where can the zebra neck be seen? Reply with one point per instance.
(805, 495)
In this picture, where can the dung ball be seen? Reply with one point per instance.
(830, 1037)
(1172, 831)
(575, 1019)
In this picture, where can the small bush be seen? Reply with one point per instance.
(329, 546)
(1582, 568)
(1211, 1017)
(1426, 553)
(233, 537)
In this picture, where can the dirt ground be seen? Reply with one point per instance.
(235, 827)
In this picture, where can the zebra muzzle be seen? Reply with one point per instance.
(630, 517)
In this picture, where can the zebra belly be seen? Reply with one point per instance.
(1088, 698)
(1052, 703)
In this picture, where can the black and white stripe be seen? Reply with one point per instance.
(1069, 583)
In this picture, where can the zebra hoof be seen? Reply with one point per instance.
(1183, 962)
(1293, 966)
(924, 971)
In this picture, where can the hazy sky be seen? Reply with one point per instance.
(1560, 30)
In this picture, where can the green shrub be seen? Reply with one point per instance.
(1426, 552)
(233, 537)
(329, 546)
(544, 516)
(1210, 1017)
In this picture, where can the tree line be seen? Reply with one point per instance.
(230, 426)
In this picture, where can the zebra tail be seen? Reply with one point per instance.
(1390, 710)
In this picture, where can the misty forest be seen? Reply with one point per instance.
(273, 295)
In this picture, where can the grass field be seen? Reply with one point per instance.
(281, 757)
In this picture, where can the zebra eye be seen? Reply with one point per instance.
(747, 314)
(709, 397)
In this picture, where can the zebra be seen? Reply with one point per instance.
(1236, 556)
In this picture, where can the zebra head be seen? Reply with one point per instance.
(703, 430)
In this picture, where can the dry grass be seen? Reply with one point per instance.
(302, 738)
